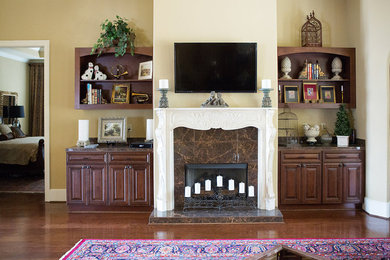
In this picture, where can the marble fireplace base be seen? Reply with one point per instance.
(203, 216)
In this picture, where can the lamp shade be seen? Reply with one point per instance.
(16, 111)
(5, 112)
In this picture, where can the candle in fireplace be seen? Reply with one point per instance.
(219, 181)
(207, 185)
(251, 191)
(197, 188)
(241, 187)
(231, 184)
(187, 192)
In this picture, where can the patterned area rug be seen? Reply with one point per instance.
(90, 249)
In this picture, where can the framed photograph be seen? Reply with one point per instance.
(328, 94)
(112, 130)
(120, 93)
(145, 70)
(291, 94)
(310, 92)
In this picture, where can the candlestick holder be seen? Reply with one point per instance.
(163, 103)
(266, 102)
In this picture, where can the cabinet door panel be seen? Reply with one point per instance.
(76, 184)
(140, 181)
(119, 185)
(352, 173)
(290, 184)
(97, 185)
(311, 183)
(332, 183)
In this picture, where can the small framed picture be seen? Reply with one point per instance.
(310, 92)
(328, 94)
(145, 70)
(112, 130)
(120, 93)
(291, 94)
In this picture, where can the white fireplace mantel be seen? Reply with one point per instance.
(204, 119)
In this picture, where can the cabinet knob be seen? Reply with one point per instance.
(340, 164)
(129, 167)
(303, 165)
(299, 165)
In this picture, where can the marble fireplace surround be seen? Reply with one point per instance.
(167, 119)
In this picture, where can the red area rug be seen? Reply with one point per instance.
(90, 249)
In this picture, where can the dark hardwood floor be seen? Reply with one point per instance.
(32, 229)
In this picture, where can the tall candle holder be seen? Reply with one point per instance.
(266, 102)
(163, 103)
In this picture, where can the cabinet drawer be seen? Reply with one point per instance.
(343, 157)
(129, 157)
(86, 158)
(298, 156)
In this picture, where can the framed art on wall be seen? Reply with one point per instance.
(112, 130)
(120, 93)
(145, 70)
(328, 94)
(310, 92)
(291, 94)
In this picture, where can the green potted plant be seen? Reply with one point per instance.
(342, 127)
(116, 34)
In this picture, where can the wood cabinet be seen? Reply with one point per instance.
(321, 176)
(109, 180)
(108, 64)
(345, 88)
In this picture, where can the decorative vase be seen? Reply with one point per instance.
(311, 132)
(337, 66)
(286, 67)
(326, 139)
(342, 140)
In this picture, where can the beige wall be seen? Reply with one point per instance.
(214, 21)
(70, 24)
(14, 78)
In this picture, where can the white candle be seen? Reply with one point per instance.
(231, 184)
(163, 83)
(149, 129)
(219, 181)
(187, 192)
(207, 185)
(266, 83)
(197, 188)
(241, 187)
(342, 88)
(251, 191)
(83, 130)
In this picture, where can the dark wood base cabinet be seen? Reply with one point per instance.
(109, 181)
(320, 177)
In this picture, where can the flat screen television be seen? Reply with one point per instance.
(219, 67)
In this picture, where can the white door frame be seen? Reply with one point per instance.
(49, 195)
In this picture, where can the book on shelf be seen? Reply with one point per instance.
(94, 96)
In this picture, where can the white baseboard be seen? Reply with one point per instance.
(55, 195)
(377, 208)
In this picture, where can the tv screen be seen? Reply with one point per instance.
(220, 67)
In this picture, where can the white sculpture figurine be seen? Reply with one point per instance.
(311, 132)
(88, 73)
(98, 74)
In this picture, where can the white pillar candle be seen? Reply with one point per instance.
(251, 191)
(241, 187)
(266, 83)
(219, 181)
(207, 185)
(231, 184)
(83, 130)
(187, 192)
(163, 83)
(149, 129)
(197, 188)
(342, 88)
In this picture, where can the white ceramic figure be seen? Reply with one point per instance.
(88, 73)
(337, 66)
(98, 74)
(311, 132)
(286, 68)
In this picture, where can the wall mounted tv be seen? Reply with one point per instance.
(220, 67)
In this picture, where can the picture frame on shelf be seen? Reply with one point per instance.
(328, 94)
(112, 130)
(310, 92)
(291, 94)
(120, 93)
(145, 70)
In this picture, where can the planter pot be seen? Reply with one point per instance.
(342, 140)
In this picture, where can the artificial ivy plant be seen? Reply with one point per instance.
(342, 126)
(116, 33)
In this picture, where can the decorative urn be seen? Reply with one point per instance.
(286, 68)
(337, 66)
(311, 132)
